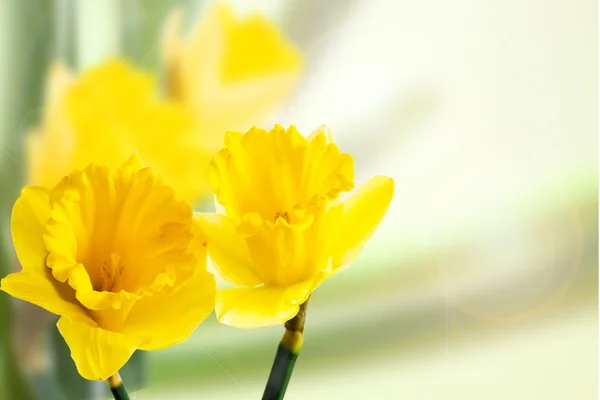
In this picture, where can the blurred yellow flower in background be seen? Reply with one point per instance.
(231, 71)
(103, 116)
(227, 75)
(116, 255)
(284, 227)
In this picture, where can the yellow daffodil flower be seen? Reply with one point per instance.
(116, 255)
(231, 71)
(284, 227)
(103, 116)
(213, 81)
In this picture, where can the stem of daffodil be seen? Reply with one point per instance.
(287, 353)
(117, 387)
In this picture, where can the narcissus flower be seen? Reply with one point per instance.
(107, 113)
(116, 255)
(213, 80)
(230, 71)
(285, 226)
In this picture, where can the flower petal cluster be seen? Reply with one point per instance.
(212, 80)
(117, 256)
(285, 226)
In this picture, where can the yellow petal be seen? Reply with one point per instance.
(59, 78)
(363, 212)
(322, 130)
(29, 216)
(228, 84)
(172, 314)
(238, 106)
(197, 58)
(228, 250)
(198, 246)
(48, 148)
(98, 353)
(105, 114)
(44, 291)
(49, 151)
(172, 52)
(132, 164)
(254, 48)
(261, 306)
(287, 253)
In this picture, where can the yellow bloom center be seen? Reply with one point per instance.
(116, 238)
(110, 273)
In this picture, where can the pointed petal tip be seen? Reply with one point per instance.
(134, 162)
(388, 182)
(383, 185)
(324, 131)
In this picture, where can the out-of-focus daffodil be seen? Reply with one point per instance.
(116, 255)
(213, 82)
(231, 71)
(103, 116)
(285, 227)
(49, 146)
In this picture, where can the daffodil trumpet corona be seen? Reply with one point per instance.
(283, 226)
(117, 256)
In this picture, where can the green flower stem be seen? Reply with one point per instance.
(287, 354)
(117, 387)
